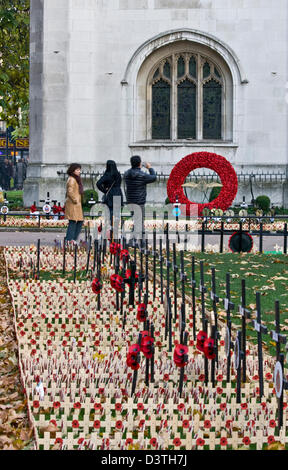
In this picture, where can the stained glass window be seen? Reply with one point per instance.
(186, 110)
(161, 92)
(212, 106)
(167, 70)
(193, 67)
(181, 67)
(206, 70)
(187, 90)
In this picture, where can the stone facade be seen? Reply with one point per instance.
(90, 61)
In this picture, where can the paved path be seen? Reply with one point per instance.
(48, 238)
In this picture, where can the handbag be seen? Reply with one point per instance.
(105, 197)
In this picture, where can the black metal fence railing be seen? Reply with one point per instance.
(259, 227)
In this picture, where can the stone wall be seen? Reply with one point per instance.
(87, 82)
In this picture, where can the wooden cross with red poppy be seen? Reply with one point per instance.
(260, 329)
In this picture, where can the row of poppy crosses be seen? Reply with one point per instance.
(180, 356)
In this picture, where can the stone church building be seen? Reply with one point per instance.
(160, 79)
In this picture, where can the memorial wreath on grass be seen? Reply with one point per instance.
(214, 162)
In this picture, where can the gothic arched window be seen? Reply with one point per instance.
(187, 93)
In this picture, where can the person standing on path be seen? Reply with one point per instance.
(136, 182)
(110, 185)
(73, 203)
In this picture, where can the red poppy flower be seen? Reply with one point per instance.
(56, 405)
(75, 424)
(207, 424)
(96, 424)
(97, 406)
(181, 406)
(272, 423)
(223, 441)
(200, 442)
(36, 404)
(223, 406)
(219, 390)
(185, 424)
(244, 406)
(58, 440)
(119, 424)
(153, 442)
(177, 442)
(270, 439)
(140, 406)
(228, 423)
(77, 405)
(246, 440)
(118, 406)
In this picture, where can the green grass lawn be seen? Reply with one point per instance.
(264, 273)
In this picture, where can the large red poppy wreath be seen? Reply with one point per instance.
(212, 161)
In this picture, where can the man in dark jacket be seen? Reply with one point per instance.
(136, 181)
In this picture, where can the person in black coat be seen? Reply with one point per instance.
(110, 185)
(136, 181)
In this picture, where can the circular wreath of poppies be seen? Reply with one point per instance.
(215, 162)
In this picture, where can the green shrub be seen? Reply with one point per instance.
(263, 202)
(87, 195)
(214, 193)
(167, 201)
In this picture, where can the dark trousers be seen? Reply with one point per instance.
(73, 230)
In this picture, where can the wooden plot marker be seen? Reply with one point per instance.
(154, 259)
(168, 264)
(64, 257)
(135, 374)
(183, 278)
(215, 300)
(123, 269)
(168, 320)
(238, 358)
(260, 329)
(75, 262)
(88, 254)
(181, 379)
(95, 254)
(141, 277)
(152, 378)
(38, 258)
(99, 276)
(175, 270)
(245, 314)
(203, 290)
(147, 252)
(161, 270)
(275, 335)
(117, 265)
(193, 286)
(132, 281)
(228, 305)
